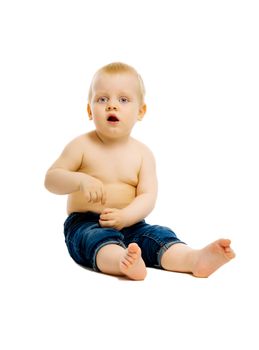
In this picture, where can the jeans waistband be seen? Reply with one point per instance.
(77, 217)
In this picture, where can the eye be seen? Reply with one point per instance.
(102, 99)
(123, 99)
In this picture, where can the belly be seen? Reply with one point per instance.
(118, 196)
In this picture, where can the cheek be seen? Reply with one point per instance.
(98, 111)
(96, 108)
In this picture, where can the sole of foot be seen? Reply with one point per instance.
(132, 264)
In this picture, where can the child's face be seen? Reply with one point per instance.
(115, 105)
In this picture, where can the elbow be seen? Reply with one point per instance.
(47, 182)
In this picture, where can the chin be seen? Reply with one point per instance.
(116, 134)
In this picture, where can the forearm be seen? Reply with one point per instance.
(60, 181)
(139, 208)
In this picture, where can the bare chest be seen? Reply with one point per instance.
(112, 167)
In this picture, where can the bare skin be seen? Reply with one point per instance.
(200, 262)
(115, 260)
(108, 172)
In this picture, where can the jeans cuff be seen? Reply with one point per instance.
(120, 243)
(163, 249)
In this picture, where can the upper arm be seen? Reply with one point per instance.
(147, 182)
(71, 157)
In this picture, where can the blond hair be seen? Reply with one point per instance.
(119, 67)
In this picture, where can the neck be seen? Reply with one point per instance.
(112, 141)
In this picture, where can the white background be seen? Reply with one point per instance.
(199, 61)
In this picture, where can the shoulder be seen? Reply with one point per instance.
(80, 141)
(143, 150)
(72, 155)
(76, 147)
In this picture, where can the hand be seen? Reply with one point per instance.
(93, 189)
(113, 218)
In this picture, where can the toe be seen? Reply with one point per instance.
(133, 248)
(129, 259)
(231, 254)
(125, 263)
(224, 242)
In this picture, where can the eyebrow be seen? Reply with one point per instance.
(105, 93)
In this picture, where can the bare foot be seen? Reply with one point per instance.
(211, 257)
(131, 264)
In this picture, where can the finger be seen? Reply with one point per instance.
(88, 197)
(104, 198)
(104, 223)
(101, 223)
(93, 196)
(107, 217)
(103, 217)
(99, 196)
(107, 211)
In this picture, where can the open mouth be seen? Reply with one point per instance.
(112, 119)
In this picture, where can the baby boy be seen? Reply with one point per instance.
(111, 182)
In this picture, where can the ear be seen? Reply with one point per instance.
(142, 111)
(89, 112)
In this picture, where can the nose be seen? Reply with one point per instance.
(111, 108)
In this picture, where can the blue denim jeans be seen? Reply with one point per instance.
(84, 237)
